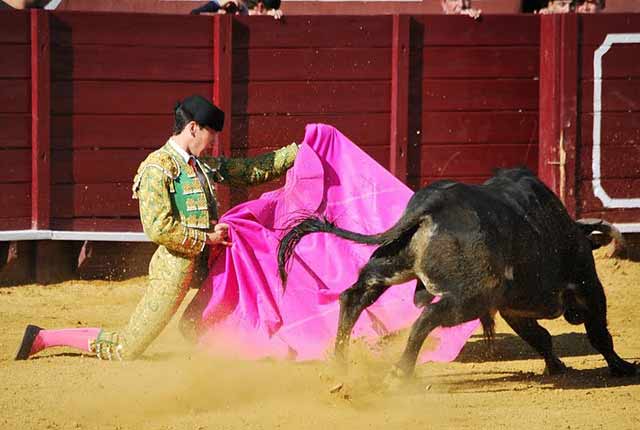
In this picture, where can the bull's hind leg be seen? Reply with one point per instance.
(598, 333)
(374, 279)
(421, 297)
(447, 312)
(540, 339)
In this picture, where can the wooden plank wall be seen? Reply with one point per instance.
(474, 105)
(620, 117)
(473, 89)
(291, 73)
(15, 121)
(472, 97)
(115, 79)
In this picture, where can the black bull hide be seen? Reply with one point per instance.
(505, 246)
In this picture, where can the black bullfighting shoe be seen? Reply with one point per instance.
(30, 334)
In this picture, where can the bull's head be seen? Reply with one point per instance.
(601, 233)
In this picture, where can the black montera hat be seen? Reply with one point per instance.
(203, 112)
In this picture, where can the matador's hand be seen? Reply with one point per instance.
(219, 235)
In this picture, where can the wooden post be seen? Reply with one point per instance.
(222, 69)
(399, 127)
(40, 120)
(549, 129)
(558, 123)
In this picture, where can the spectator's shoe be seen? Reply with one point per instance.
(30, 334)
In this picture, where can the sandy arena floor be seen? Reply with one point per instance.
(173, 387)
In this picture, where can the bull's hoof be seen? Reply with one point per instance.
(623, 368)
(395, 379)
(555, 367)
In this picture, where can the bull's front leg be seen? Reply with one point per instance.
(600, 338)
(598, 333)
(591, 293)
(540, 339)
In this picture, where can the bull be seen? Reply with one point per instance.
(508, 245)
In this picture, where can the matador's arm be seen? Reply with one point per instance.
(252, 171)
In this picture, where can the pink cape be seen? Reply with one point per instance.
(249, 315)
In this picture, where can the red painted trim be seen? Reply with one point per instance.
(399, 127)
(549, 127)
(569, 108)
(222, 69)
(558, 105)
(40, 120)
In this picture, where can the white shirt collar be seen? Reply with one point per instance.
(184, 154)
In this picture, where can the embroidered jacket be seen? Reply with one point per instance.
(173, 204)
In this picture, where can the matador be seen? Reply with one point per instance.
(179, 211)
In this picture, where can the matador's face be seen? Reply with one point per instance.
(202, 139)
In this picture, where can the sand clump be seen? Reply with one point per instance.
(175, 387)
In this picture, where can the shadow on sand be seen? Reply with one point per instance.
(509, 347)
(572, 380)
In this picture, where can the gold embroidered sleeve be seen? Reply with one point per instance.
(157, 216)
(256, 170)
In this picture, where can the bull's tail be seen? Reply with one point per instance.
(315, 224)
(609, 233)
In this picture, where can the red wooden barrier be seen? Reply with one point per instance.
(427, 96)
(558, 105)
(593, 102)
(15, 121)
(399, 133)
(288, 74)
(115, 79)
(222, 93)
(40, 120)
(610, 168)
(479, 97)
